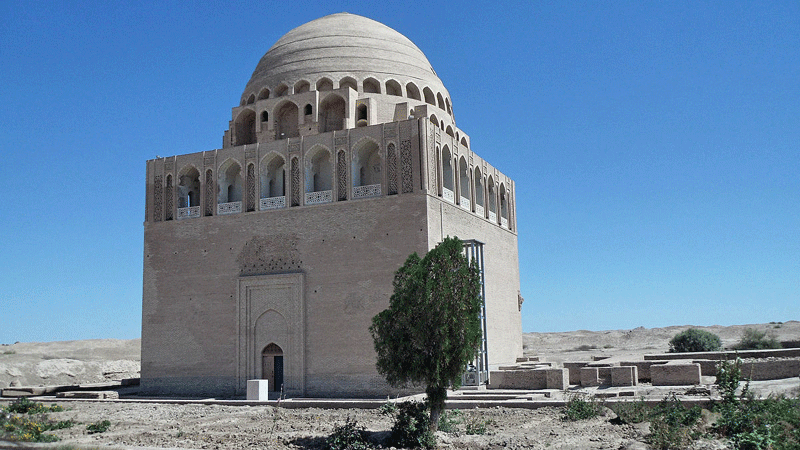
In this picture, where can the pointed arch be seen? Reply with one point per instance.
(394, 88)
(434, 120)
(282, 90)
(209, 195)
(449, 108)
(479, 194)
(349, 82)
(319, 173)
(251, 99)
(263, 94)
(440, 101)
(372, 86)
(324, 84)
(188, 192)
(447, 174)
(429, 97)
(367, 168)
(273, 181)
(332, 113)
(302, 86)
(491, 192)
(245, 127)
(286, 120)
(449, 131)
(503, 206)
(463, 183)
(412, 91)
(229, 197)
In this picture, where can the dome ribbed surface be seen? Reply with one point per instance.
(341, 45)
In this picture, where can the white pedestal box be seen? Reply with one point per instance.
(258, 390)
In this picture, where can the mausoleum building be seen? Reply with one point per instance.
(268, 258)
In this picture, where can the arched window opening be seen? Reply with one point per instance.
(282, 90)
(245, 128)
(434, 120)
(263, 94)
(349, 82)
(273, 174)
(479, 203)
(251, 99)
(429, 97)
(503, 206)
(332, 114)
(449, 131)
(447, 175)
(367, 171)
(229, 198)
(272, 367)
(188, 193)
(449, 108)
(324, 84)
(463, 186)
(394, 88)
(286, 117)
(372, 86)
(412, 91)
(264, 116)
(318, 177)
(302, 86)
(440, 102)
(307, 110)
(492, 201)
(362, 116)
(464, 142)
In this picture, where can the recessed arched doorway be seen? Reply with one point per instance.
(272, 366)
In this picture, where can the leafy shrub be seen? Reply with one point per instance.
(449, 420)
(753, 339)
(694, 340)
(672, 424)
(348, 437)
(579, 409)
(412, 426)
(98, 427)
(388, 409)
(477, 426)
(24, 420)
(631, 412)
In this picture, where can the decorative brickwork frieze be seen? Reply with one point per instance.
(406, 167)
(295, 182)
(341, 176)
(251, 187)
(158, 198)
(209, 206)
(391, 169)
(168, 194)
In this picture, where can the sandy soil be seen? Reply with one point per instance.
(193, 426)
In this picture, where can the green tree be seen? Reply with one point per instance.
(694, 340)
(432, 328)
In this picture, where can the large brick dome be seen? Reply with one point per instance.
(342, 45)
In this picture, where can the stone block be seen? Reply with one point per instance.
(589, 376)
(258, 390)
(624, 376)
(108, 395)
(642, 367)
(520, 379)
(574, 368)
(677, 374)
(556, 378)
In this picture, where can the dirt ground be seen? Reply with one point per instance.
(196, 426)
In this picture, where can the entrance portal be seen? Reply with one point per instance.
(272, 366)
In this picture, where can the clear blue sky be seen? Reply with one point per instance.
(655, 146)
